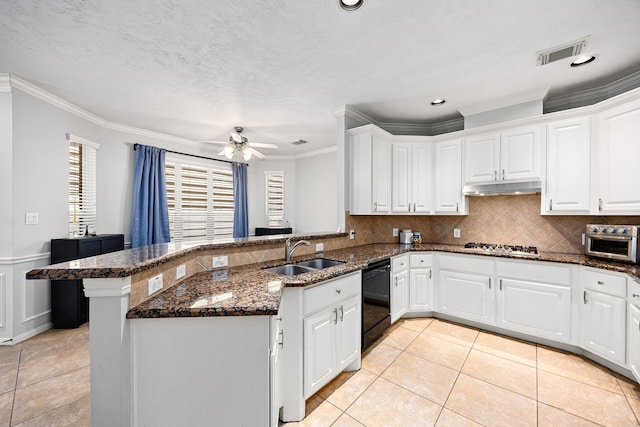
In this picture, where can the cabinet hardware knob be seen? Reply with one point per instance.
(600, 282)
(430, 274)
(338, 291)
(281, 343)
(489, 282)
(503, 174)
(495, 174)
(500, 284)
(375, 206)
(635, 295)
(584, 297)
(550, 204)
(456, 206)
(335, 313)
(599, 204)
(341, 313)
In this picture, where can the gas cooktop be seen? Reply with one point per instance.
(515, 250)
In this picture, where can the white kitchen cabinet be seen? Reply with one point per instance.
(331, 331)
(448, 178)
(465, 287)
(412, 183)
(276, 379)
(617, 152)
(534, 298)
(604, 314)
(399, 286)
(512, 155)
(370, 154)
(633, 340)
(420, 283)
(568, 187)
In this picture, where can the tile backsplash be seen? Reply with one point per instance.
(494, 219)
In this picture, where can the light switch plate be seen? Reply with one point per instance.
(456, 233)
(181, 271)
(319, 247)
(220, 261)
(394, 231)
(31, 218)
(155, 284)
(352, 234)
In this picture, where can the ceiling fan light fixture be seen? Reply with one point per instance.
(246, 153)
(228, 152)
(583, 60)
(350, 5)
(438, 101)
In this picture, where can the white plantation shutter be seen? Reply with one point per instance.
(274, 183)
(200, 200)
(82, 185)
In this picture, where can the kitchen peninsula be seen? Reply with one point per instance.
(231, 318)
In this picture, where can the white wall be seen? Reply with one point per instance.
(316, 193)
(256, 191)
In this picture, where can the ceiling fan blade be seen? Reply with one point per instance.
(263, 145)
(214, 142)
(235, 137)
(257, 153)
(221, 153)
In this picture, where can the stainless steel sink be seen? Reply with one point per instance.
(303, 267)
(289, 269)
(320, 263)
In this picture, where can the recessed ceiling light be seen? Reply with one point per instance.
(438, 101)
(583, 60)
(350, 4)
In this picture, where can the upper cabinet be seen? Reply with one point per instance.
(567, 189)
(512, 155)
(616, 157)
(448, 178)
(412, 177)
(370, 170)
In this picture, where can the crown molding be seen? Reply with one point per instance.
(5, 82)
(132, 130)
(317, 152)
(593, 95)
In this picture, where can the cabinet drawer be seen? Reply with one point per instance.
(534, 271)
(400, 263)
(467, 263)
(328, 293)
(420, 260)
(604, 282)
(633, 292)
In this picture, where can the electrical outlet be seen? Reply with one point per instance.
(30, 218)
(181, 271)
(352, 234)
(583, 239)
(394, 231)
(155, 284)
(319, 247)
(456, 233)
(220, 261)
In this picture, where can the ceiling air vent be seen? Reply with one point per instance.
(299, 142)
(563, 51)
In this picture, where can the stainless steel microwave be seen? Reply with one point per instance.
(612, 242)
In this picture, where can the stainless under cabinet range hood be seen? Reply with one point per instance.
(502, 189)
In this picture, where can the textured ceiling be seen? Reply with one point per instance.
(280, 67)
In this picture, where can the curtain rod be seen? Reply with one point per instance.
(193, 155)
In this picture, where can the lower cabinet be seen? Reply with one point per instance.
(276, 379)
(604, 314)
(331, 332)
(634, 340)
(466, 295)
(534, 298)
(420, 283)
(399, 286)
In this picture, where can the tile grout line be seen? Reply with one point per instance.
(15, 387)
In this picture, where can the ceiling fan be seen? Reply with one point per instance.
(238, 146)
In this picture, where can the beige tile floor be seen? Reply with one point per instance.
(422, 372)
(426, 372)
(44, 381)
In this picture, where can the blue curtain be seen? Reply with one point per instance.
(150, 213)
(241, 213)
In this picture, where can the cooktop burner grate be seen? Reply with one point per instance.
(517, 250)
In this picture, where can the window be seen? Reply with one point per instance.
(200, 201)
(274, 183)
(82, 185)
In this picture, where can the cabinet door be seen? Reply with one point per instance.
(401, 178)
(399, 297)
(520, 154)
(535, 308)
(448, 179)
(276, 378)
(420, 290)
(568, 167)
(618, 153)
(634, 341)
(421, 177)
(466, 295)
(381, 174)
(482, 158)
(349, 331)
(319, 350)
(603, 324)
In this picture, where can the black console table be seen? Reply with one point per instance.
(69, 306)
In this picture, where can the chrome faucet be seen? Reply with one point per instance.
(289, 250)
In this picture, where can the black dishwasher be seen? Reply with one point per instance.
(376, 313)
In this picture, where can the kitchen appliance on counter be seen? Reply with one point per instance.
(612, 242)
(406, 237)
(514, 250)
(376, 307)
